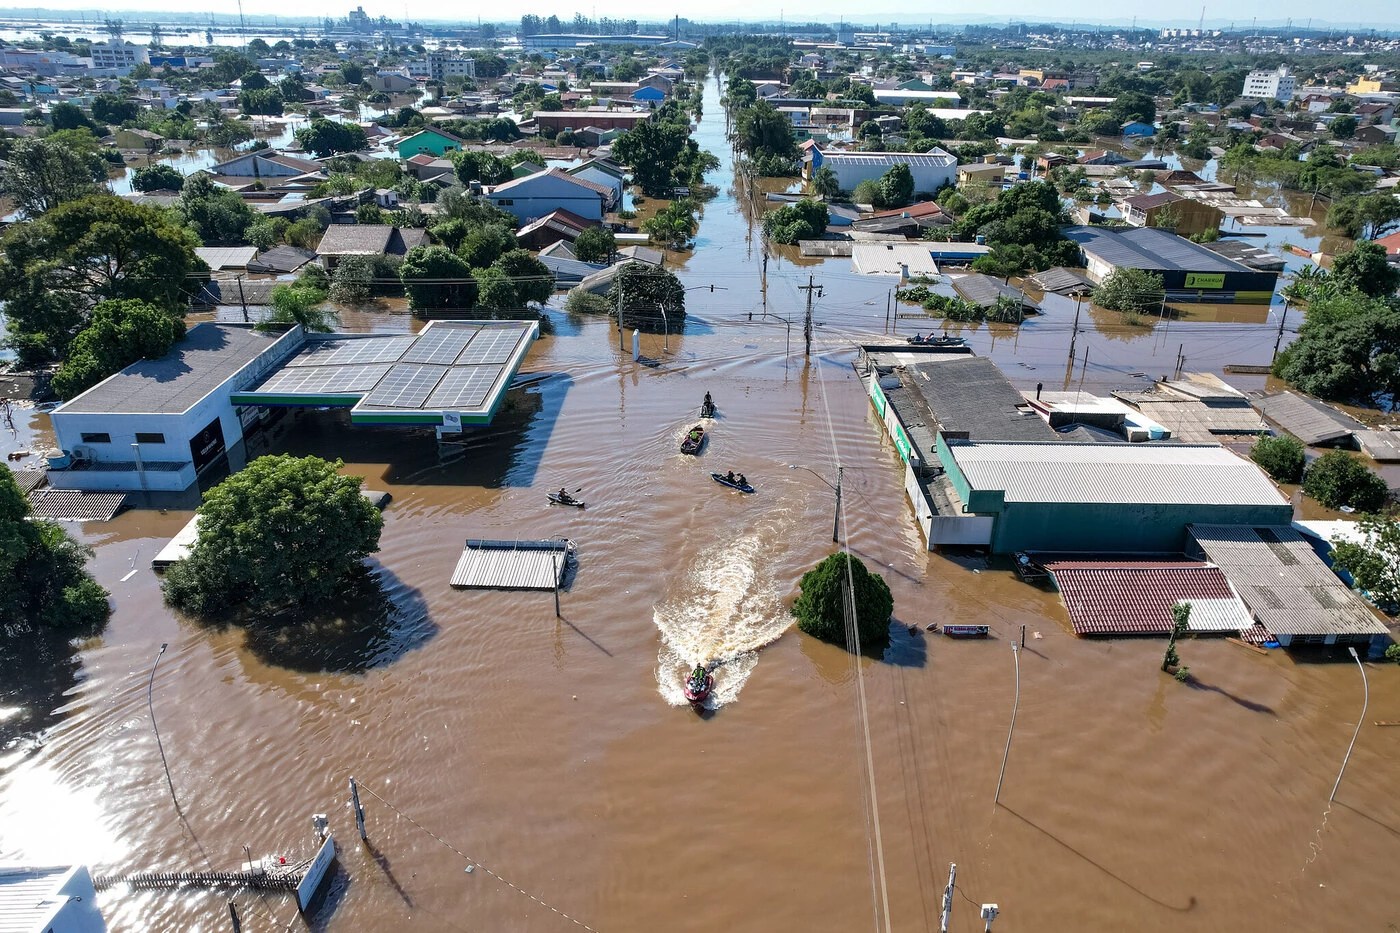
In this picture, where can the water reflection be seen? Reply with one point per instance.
(38, 669)
(377, 620)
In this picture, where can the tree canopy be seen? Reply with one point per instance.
(596, 244)
(53, 269)
(43, 583)
(1374, 563)
(215, 213)
(44, 173)
(484, 167)
(327, 137)
(437, 278)
(1129, 290)
(1281, 456)
(805, 220)
(118, 334)
(1336, 479)
(1348, 349)
(643, 290)
(284, 531)
(1364, 268)
(819, 610)
(160, 177)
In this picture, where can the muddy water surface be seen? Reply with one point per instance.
(553, 752)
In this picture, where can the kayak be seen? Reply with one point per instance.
(694, 440)
(732, 484)
(576, 503)
(699, 694)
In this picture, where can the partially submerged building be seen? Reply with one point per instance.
(1189, 271)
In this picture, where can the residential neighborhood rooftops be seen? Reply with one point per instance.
(1313, 422)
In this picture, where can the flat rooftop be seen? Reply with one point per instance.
(970, 394)
(208, 356)
(449, 367)
(1151, 248)
(1155, 474)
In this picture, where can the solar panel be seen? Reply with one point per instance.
(440, 344)
(407, 385)
(313, 380)
(491, 346)
(373, 350)
(464, 388)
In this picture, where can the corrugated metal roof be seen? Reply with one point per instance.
(28, 480)
(893, 258)
(1061, 281)
(936, 159)
(73, 505)
(511, 565)
(1284, 583)
(1136, 598)
(1218, 615)
(1311, 421)
(970, 394)
(1151, 248)
(1191, 474)
(983, 291)
(29, 896)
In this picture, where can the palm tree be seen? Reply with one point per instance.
(824, 183)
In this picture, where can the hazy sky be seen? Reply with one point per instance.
(1218, 12)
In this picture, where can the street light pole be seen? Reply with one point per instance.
(836, 519)
(1365, 701)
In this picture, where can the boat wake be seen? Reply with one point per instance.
(724, 607)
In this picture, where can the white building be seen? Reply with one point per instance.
(119, 56)
(444, 65)
(156, 424)
(931, 170)
(49, 900)
(543, 192)
(1269, 85)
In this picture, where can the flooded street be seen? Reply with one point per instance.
(556, 758)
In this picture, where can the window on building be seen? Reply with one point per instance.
(96, 438)
(505, 202)
(149, 438)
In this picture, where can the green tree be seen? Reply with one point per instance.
(1365, 215)
(160, 177)
(352, 74)
(43, 173)
(1348, 349)
(352, 282)
(824, 183)
(436, 278)
(1129, 290)
(1281, 456)
(896, 186)
(300, 303)
(819, 606)
(53, 269)
(653, 150)
(484, 245)
(1133, 105)
(266, 101)
(495, 290)
(284, 531)
(293, 88)
(531, 278)
(1181, 618)
(1373, 562)
(111, 108)
(118, 334)
(644, 291)
(1336, 479)
(215, 213)
(1343, 127)
(1365, 269)
(596, 244)
(327, 137)
(66, 116)
(472, 165)
(761, 130)
(804, 220)
(673, 225)
(740, 93)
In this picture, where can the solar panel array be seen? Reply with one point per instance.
(449, 366)
(326, 380)
(464, 387)
(407, 385)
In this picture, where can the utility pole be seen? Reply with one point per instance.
(1283, 317)
(621, 339)
(1016, 703)
(948, 898)
(1074, 335)
(359, 810)
(836, 522)
(233, 915)
(807, 323)
(241, 300)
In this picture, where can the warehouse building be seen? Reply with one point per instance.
(931, 170)
(1101, 498)
(1189, 271)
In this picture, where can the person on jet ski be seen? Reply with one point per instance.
(697, 677)
(708, 403)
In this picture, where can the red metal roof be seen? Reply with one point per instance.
(1133, 598)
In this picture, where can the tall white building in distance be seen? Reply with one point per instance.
(1269, 85)
(119, 55)
(444, 65)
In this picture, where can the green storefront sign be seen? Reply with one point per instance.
(901, 444)
(1205, 280)
(877, 396)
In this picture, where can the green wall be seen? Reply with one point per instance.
(1077, 526)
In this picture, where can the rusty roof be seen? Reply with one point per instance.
(1133, 597)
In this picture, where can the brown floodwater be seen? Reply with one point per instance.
(558, 753)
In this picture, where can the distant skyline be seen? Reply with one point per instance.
(1367, 14)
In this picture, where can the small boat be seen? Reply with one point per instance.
(732, 484)
(966, 631)
(694, 440)
(557, 500)
(942, 340)
(697, 692)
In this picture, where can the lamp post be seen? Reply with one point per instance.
(1365, 701)
(836, 518)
